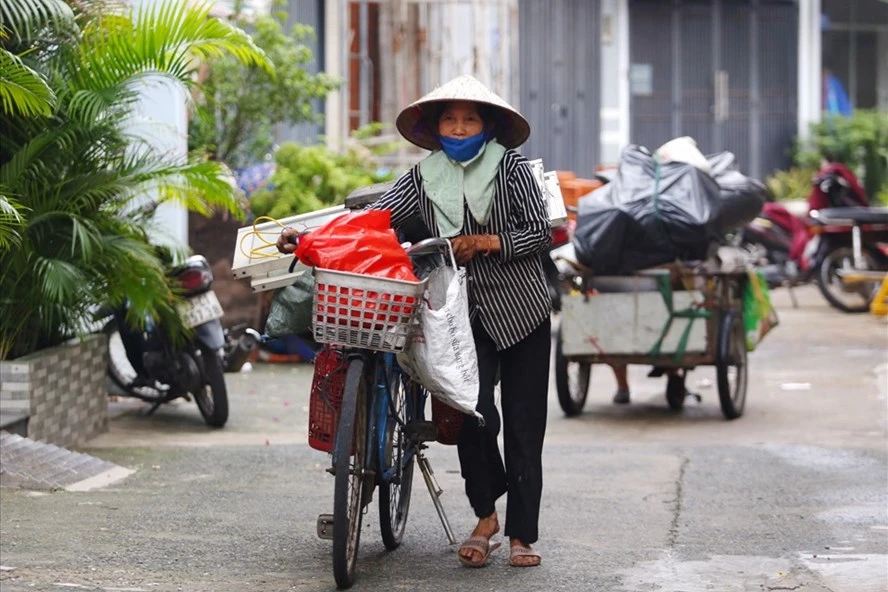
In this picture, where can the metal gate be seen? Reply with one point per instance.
(560, 96)
(311, 13)
(721, 71)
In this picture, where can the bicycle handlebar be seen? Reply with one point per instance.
(428, 246)
(433, 246)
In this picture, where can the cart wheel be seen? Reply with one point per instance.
(676, 391)
(571, 381)
(730, 365)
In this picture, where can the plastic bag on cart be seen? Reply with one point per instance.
(358, 242)
(442, 357)
(742, 197)
(759, 316)
(653, 213)
(291, 308)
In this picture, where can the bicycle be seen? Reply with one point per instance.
(381, 430)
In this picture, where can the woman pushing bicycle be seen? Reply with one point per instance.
(476, 190)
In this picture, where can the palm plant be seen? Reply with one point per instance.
(75, 225)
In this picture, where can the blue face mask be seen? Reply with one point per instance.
(464, 149)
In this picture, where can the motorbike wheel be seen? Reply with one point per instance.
(212, 399)
(571, 381)
(854, 299)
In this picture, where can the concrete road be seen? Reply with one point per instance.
(792, 496)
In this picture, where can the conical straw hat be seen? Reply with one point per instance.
(511, 129)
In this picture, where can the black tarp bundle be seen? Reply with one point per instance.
(653, 213)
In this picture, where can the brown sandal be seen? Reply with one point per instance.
(480, 544)
(522, 551)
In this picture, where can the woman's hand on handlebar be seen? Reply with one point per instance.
(286, 242)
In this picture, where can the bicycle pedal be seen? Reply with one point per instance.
(421, 431)
(325, 527)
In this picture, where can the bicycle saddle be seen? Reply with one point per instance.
(364, 196)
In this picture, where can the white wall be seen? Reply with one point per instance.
(161, 118)
(810, 65)
(615, 101)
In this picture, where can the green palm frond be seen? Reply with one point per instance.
(48, 151)
(177, 30)
(59, 279)
(11, 222)
(22, 90)
(93, 104)
(200, 186)
(163, 38)
(138, 274)
(24, 18)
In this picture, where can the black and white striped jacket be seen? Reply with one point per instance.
(507, 290)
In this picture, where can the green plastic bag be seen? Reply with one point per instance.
(291, 308)
(759, 316)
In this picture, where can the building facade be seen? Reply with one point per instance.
(595, 75)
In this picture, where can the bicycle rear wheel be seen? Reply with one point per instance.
(398, 460)
(349, 462)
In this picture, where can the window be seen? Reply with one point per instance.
(855, 53)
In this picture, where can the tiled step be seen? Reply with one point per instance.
(30, 464)
(14, 421)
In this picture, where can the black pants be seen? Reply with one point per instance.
(524, 374)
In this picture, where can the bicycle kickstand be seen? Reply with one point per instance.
(435, 491)
(792, 295)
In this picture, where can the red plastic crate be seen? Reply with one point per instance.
(325, 400)
(448, 422)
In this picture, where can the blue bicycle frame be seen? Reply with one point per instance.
(387, 370)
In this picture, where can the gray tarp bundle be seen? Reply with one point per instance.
(652, 213)
(291, 308)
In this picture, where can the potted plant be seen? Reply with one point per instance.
(75, 228)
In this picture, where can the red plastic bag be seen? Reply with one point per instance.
(359, 242)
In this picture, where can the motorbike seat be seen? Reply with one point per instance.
(857, 215)
(364, 196)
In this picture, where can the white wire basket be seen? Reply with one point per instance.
(355, 310)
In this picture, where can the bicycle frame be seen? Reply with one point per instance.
(386, 366)
(378, 405)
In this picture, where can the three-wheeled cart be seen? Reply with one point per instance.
(672, 318)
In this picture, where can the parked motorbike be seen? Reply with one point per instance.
(147, 365)
(854, 255)
(776, 242)
(792, 250)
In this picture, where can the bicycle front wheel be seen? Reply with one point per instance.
(398, 457)
(349, 462)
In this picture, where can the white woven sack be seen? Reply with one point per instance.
(442, 357)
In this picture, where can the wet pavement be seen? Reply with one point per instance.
(791, 496)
